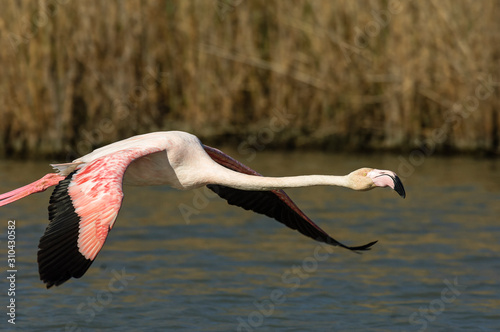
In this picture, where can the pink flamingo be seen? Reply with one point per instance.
(88, 194)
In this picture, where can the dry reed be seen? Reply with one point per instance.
(346, 74)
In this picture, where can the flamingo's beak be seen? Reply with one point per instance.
(387, 179)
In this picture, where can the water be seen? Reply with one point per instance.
(436, 266)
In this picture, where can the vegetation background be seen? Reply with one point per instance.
(344, 75)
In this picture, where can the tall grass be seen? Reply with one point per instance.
(348, 74)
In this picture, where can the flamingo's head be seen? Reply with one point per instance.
(369, 178)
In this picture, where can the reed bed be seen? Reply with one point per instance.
(349, 75)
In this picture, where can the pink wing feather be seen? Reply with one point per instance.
(83, 208)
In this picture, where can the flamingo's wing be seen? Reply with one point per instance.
(274, 204)
(83, 208)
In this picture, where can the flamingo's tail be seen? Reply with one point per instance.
(47, 181)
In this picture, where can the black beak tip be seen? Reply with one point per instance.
(398, 187)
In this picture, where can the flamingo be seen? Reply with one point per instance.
(88, 194)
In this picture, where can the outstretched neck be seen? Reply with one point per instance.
(262, 183)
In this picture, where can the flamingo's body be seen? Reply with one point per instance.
(88, 194)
